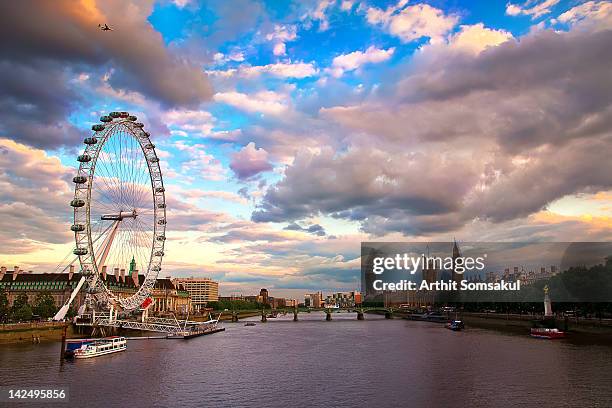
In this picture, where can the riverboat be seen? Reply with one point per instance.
(544, 333)
(100, 347)
(455, 325)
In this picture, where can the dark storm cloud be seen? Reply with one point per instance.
(368, 184)
(34, 107)
(314, 229)
(44, 44)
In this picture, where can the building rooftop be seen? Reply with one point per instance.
(60, 281)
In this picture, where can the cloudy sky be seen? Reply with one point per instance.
(289, 132)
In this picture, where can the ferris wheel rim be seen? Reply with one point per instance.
(84, 184)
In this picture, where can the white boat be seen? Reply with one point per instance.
(101, 347)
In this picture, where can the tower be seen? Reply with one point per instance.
(547, 304)
(457, 277)
(132, 265)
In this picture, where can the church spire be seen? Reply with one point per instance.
(132, 265)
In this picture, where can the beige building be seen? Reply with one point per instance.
(201, 290)
(168, 297)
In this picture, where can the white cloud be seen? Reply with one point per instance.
(319, 14)
(266, 102)
(597, 14)
(354, 60)
(280, 69)
(413, 22)
(279, 49)
(281, 35)
(197, 123)
(235, 56)
(200, 163)
(191, 121)
(347, 5)
(536, 11)
(476, 38)
(181, 3)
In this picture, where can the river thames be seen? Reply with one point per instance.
(376, 362)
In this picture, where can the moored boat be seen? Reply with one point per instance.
(455, 325)
(100, 347)
(544, 333)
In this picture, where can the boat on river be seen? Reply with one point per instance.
(545, 333)
(455, 325)
(97, 347)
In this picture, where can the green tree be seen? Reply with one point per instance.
(44, 305)
(71, 312)
(4, 306)
(21, 309)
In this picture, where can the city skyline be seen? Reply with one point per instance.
(290, 133)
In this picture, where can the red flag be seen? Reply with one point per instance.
(147, 302)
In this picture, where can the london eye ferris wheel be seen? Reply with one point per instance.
(119, 210)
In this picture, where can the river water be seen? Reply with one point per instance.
(372, 363)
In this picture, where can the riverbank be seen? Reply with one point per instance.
(591, 330)
(34, 332)
(579, 330)
(37, 332)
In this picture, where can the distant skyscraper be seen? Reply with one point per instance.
(457, 277)
(264, 296)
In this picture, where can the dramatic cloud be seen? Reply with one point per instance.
(499, 136)
(354, 60)
(412, 22)
(57, 40)
(34, 205)
(249, 162)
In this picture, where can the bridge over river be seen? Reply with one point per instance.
(267, 313)
(105, 322)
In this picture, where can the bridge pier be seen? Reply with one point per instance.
(234, 317)
(264, 319)
(328, 316)
(388, 315)
(295, 315)
(360, 315)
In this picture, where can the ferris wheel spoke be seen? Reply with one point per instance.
(111, 188)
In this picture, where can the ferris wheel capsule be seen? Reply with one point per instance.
(80, 251)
